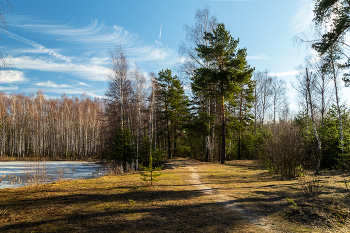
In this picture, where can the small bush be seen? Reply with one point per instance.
(310, 186)
(272, 168)
(299, 171)
(284, 151)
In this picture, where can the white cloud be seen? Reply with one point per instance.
(99, 60)
(83, 84)
(52, 84)
(12, 76)
(70, 91)
(37, 46)
(94, 33)
(302, 20)
(96, 96)
(158, 43)
(94, 38)
(259, 56)
(11, 87)
(99, 36)
(286, 73)
(26, 50)
(118, 28)
(93, 72)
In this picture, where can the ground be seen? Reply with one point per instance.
(191, 196)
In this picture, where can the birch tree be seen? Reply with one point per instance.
(263, 93)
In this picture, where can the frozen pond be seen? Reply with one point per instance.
(20, 173)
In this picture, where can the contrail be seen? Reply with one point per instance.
(160, 31)
(38, 46)
(161, 26)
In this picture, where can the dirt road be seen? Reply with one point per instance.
(228, 202)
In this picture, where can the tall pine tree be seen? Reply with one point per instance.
(174, 107)
(228, 67)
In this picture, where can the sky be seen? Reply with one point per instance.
(63, 46)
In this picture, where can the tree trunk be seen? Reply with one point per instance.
(339, 112)
(239, 145)
(223, 152)
(313, 124)
(240, 121)
(169, 142)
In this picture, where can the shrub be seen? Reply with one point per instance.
(284, 150)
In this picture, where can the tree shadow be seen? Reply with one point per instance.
(175, 217)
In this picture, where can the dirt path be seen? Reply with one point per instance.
(228, 202)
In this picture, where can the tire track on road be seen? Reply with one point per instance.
(228, 202)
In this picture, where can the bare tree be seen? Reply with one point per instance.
(204, 22)
(312, 87)
(263, 93)
(118, 81)
(321, 84)
(139, 89)
(278, 92)
(311, 104)
(37, 126)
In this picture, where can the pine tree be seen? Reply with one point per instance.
(174, 106)
(122, 150)
(228, 67)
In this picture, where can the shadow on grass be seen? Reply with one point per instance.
(143, 196)
(175, 217)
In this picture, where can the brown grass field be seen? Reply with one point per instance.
(125, 203)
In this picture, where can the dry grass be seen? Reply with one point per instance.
(124, 203)
(117, 204)
(283, 200)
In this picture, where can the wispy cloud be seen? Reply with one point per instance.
(99, 36)
(92, 72)
(94, 33)
(11, 87)
(152, 53)
(25, 50)
(259, 56)
(52, 84)
(69, 91)
(83, 84)
(302, 20)
(286, 73)
(38, 46)
(96, 96)
(88, 60)
(12, 76)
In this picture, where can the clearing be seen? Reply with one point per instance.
(191, 196)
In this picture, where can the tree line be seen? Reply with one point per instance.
(215, 107)
(56, 128)
(212, 121)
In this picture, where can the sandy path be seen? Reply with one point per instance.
(228, 202)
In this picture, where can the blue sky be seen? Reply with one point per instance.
(62, 46)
